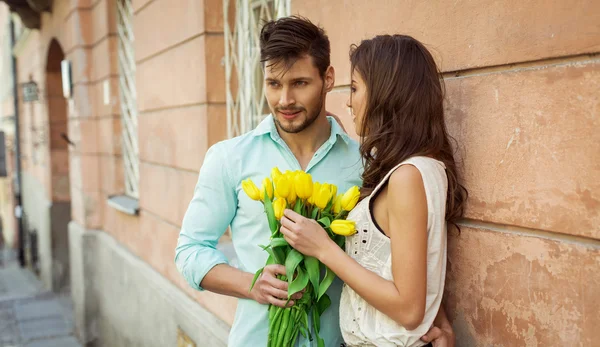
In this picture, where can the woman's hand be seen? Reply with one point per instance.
(305, 235)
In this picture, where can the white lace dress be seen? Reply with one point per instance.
(361, 323)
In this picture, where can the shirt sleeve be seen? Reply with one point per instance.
(208, 215)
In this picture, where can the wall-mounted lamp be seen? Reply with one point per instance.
(30, 91)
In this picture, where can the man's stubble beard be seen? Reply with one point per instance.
(310, 118)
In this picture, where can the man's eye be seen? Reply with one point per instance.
(353, 90)
(301, 83)
(272, 84)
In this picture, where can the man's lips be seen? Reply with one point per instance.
(289, 114)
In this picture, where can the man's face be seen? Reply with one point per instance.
(296, 96)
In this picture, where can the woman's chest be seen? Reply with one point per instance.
(368, 246)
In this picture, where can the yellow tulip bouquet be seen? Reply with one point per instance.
(319, 201)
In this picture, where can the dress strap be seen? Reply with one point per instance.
(410, 161)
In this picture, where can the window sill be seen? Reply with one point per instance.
(125, 204)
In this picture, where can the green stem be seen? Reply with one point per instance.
(274, 326)
(283, 327)
(290, 327)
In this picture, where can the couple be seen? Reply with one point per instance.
(394, 266)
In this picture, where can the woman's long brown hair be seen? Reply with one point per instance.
(404, 114)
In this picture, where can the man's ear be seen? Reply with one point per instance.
(329, 79)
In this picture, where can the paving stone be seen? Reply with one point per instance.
(43, 328)
(31, 316)
(38, 309)
(68, 341)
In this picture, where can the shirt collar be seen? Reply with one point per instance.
(267, 126)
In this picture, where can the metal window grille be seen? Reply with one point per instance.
(246, 105)
(128, 97)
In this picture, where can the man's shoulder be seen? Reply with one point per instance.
(351, 146)
(235, 144)
(352, 143)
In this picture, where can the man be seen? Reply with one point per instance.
(297, 135)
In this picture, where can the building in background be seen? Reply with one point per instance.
(131, 94)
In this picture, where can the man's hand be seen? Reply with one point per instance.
(440, 337)
(268, 289)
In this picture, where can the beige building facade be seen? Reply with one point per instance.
(108, 168)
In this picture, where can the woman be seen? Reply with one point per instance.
(395, 265)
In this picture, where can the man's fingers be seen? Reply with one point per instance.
(277, 293)
(291, 215)
(276, 283)
(280, 303)
(275, 269)
(432, 334)
(286, 222)
(297, 296)
(286, 232)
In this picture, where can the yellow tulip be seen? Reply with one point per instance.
(333, 189)
(350, 198)
(343, 227)
(282, 187)
(291, 198)
(279, 207)
(316, 188)
(268, 185)
(323, 196)
(275, 174)
(304, 185)
(250, 189)
(337, 204)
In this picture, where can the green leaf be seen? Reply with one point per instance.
(314, 274)
(280, 253)
(298, 206)
(325, 283)
(325, 221)
(256, 277)
(270, 214)
(317, 327)
(275, 254)
(316, 321)
(291, 263)
(323, 304)
(278, 242)
(270, 260)
(314, 213)
(298, 283)
(341, 241)
(302, 322)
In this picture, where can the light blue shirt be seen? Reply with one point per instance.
(219, 202)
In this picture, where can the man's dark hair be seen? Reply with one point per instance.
(290, 38)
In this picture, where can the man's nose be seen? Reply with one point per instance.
(286, 99)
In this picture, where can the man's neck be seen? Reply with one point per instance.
(305, 143)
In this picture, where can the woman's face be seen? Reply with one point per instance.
(357, 101)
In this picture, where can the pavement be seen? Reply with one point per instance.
(31, 316)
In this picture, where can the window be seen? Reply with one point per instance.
(246, 106)
(128, 97)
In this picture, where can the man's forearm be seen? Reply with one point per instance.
(227, 280)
